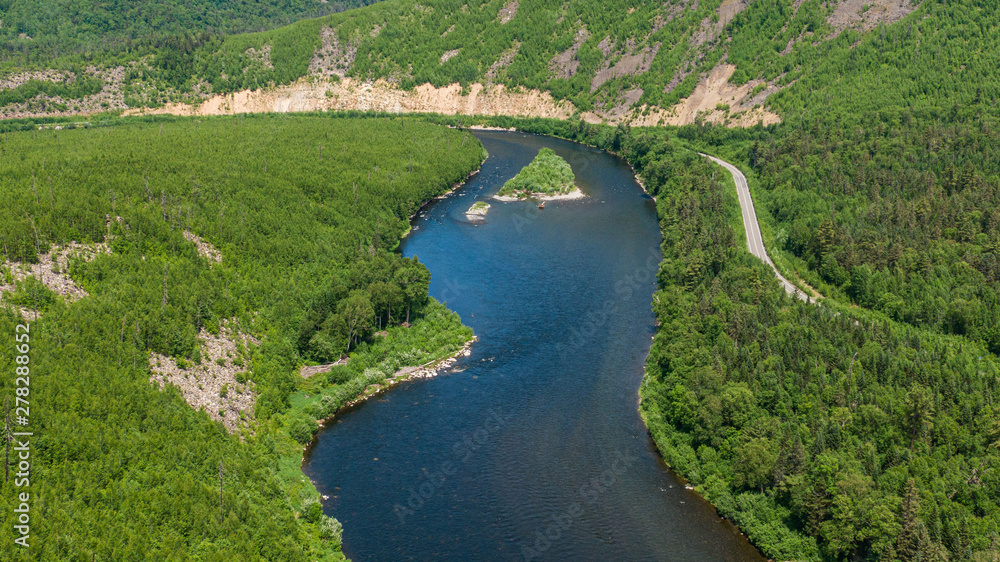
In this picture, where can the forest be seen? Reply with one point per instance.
(305, 213)
(36, 32)
(824, 432)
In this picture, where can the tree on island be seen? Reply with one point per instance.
(547, 174)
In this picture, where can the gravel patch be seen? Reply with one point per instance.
(204, 248)
(52, 269)
(212, 385)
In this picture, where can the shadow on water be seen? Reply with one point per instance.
(532, 447)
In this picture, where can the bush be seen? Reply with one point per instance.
(339, 374)
(330, 528)
(302, 429)
(312, 511)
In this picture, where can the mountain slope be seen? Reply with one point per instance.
(602, 56)
(38, 30)
(611, 60)
(278, 228)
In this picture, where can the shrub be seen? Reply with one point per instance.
(330, 528)
(302, 429)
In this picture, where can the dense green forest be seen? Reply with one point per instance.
(825, 432)
(306, 212)
(33, 32)
(890, 201)
(546, 174)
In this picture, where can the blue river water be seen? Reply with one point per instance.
(532, 447)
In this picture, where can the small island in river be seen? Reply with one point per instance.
(547, 177)
(478, 210)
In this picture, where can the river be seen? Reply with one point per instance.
(531, 447)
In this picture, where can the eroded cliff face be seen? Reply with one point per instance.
(328, 88)
(716, 101)
(313, 94)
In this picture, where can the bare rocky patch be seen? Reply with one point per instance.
(349, 94)
(715, 100)
(679, 76)
(110, 98)
(669, 14)
(865, 15)
(564, 64)
(204, 248)
(52, 269)
(503, 61)
(448, 55)
(709, 30)
(508, 11)
(630, 63)
(213, 385)
(478, 210)
(259, 57)
(332, 58)
(20, 78)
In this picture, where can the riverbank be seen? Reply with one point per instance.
(436, 334)
(638, 178)
(409, 220)
(428, 370)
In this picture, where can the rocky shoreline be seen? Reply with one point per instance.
(575, 194)
(428, 370)
(442, 196)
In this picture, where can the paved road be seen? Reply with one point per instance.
(754, 240)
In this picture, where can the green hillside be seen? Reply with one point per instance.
(795, 58)
(37, 31)
(605, 57)
(305, 213)
(593, 53)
